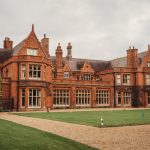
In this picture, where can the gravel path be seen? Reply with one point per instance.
(114, 138)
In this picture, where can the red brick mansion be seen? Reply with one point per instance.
(32, 79)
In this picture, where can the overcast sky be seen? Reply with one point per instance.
(97, 29)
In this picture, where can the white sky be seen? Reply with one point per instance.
(97, 29)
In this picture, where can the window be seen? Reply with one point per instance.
(102, 97)
(34, 98)
(66, 75)
(127, 98)
(118, 79)
(23, 73)
(148, 79)
(126, 79)
(31, 51)
(34, 71)
(86, 77)
(22, 97)
(61, 97)
(148, 98)
(83, 97)
(119, 98)
(148, 64)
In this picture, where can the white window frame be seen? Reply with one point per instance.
(23, 96)
(61, 98)
(119, 97)
(102, 97)
(23, 71)
(118, 79)
(83, 97)
(35, 71)
(127, 98)
(147, 79)
(36, 98)
(66, 75)
(87, 77)
(32, 52)
(126, 79)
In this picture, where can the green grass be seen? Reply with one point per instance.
(111, 118)
(18, 137)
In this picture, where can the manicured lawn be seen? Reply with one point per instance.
(111, 118)
(18, 137)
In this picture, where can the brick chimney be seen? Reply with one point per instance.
(8, 44)
(148, 49)
(59, 62)
(59, 57)
(69, 52)
(132, 57)
(45, 45)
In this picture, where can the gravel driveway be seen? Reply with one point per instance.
(114, 138)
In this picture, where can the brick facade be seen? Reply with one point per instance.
(31, 79)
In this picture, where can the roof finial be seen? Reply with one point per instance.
(133, 47)
(32, 27)
(44, 36)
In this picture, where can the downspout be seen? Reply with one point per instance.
(114, 89)
(18, 87)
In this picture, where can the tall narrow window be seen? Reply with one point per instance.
(126, 79)
(148, 79)
(22, 97)
(118, 79)
(23, 73)
(83, 97)
(119, 98)
(34, 98)
(148, 98)
(127, 98)
(34, 71)
(102, 97)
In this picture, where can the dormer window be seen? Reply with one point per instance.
(32, 52)
(148, 64)
(66, 75)
(86, 77)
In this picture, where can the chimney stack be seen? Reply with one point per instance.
(132, 57)
(8, 44)
(45, 45)
(69, 52)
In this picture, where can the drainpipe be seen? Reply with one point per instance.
(18, 87)
(114, 89)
